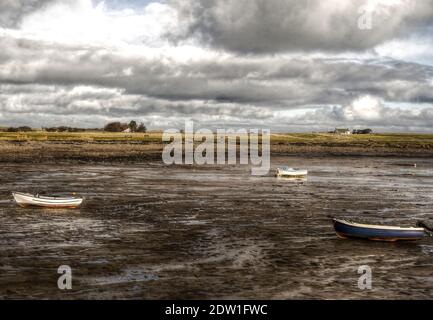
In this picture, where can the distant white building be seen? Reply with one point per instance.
(342, 131)
(128, 130)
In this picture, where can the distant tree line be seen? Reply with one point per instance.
(17, 129)
(121, 127)
(132, 126)
(51, 129)
(66, 129)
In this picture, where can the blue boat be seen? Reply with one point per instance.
(346, 229)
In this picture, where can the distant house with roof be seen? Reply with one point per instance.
(342, 131)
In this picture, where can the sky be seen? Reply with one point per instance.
(287, 65)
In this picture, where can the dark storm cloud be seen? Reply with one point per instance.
(57, 105)
(276, 82)
(269, 26)
(12, 11)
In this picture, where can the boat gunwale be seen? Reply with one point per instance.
(291, 172)
(46, 199)
(378, 227)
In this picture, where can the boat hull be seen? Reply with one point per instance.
(345, 229)
(292, 174)
(27, 200)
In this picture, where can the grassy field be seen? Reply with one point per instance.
(306, 139)
(79, 136)
(39, 146)
(396, 140)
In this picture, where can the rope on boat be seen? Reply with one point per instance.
(428, 228)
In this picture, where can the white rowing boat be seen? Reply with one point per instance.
(26, 199)
(291, 172)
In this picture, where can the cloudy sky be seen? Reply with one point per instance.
(288, 65)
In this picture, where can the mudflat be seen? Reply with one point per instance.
(148, 230)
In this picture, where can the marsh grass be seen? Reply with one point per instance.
(79, 136)
(396, 140)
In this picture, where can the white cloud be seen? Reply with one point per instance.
(368, 111)
(418, 49)
(366, 108)
(267, 26)
(89, 22)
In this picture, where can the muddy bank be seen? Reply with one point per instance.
(78, 151)
(136, 151)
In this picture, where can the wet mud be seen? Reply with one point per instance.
(151, 231)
